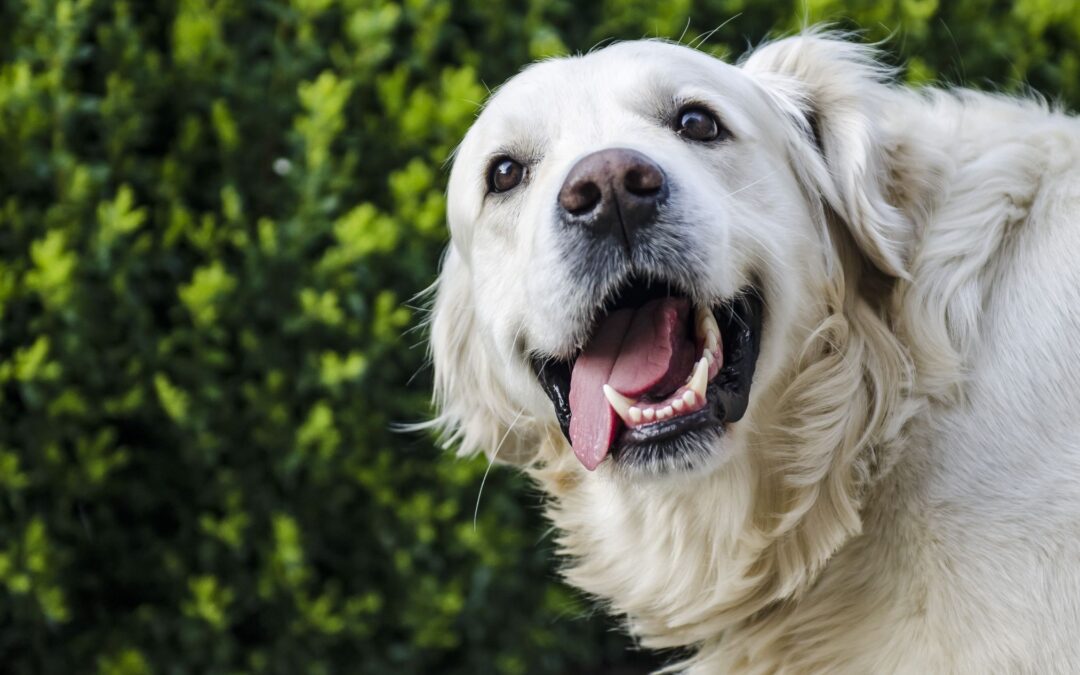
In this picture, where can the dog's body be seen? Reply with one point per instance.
(903, 493)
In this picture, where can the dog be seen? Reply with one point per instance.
(793, 350)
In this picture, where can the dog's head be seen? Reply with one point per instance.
(643, 239)
(669, 292)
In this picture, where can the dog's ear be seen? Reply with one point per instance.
(473, 406)
(834, 90)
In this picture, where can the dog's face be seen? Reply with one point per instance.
(639, 250)
(669, 291)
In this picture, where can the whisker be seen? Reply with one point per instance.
(491, 462)
(751, 184)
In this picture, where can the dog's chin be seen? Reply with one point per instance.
(696, 434)
(692, 453)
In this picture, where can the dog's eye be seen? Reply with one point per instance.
(505, 174)
(698, 124)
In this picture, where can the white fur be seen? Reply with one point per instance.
(904, 492)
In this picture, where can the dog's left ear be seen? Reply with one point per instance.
(835, 90)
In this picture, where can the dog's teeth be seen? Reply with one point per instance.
(712, 340)
(700, 378)
(668, 412)
(708, 354)
(620, 403)
(703, 317)
(689, 397)
(648, 414)
(708, 328)
(635, 414)
(678, 404)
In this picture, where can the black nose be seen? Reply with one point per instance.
(613, 193)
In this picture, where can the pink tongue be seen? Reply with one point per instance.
(635, 351)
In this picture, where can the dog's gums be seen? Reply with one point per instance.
(670, 406)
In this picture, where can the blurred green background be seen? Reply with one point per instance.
(213, 215)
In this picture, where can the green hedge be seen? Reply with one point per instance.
(213, 214)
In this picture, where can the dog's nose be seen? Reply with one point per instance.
(614, 192)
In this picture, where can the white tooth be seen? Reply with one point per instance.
(709, 324)
(668, 412)
(690, 397)
(700, 378)
(620, 403)
(712, 340)
(708, 354)
(678, 404)
(648, 414)
(635, 414)
(703, 317)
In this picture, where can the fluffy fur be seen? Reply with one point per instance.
(904, 492)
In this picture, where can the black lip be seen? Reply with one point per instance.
(554, 376)
(740, 322)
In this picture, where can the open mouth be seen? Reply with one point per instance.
(659, 377)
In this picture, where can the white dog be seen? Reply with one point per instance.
(794, 350)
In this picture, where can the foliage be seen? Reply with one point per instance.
(213, 214)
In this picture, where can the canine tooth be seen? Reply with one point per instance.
(708, 354)
(703, 317)
(712, 340)
(710, 324)
(690, 397)
(648, 414)
(700, 378)
(668, 412)
(635, 414)
(620, 403)
(678, 404)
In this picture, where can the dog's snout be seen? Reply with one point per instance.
(613, 192)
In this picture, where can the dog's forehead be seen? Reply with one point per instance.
(629, 78)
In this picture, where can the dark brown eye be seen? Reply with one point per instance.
(505, 174)
(698, 124)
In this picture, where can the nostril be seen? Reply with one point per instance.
(581, 197)
(643, 181)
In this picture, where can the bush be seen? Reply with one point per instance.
(213, 214)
